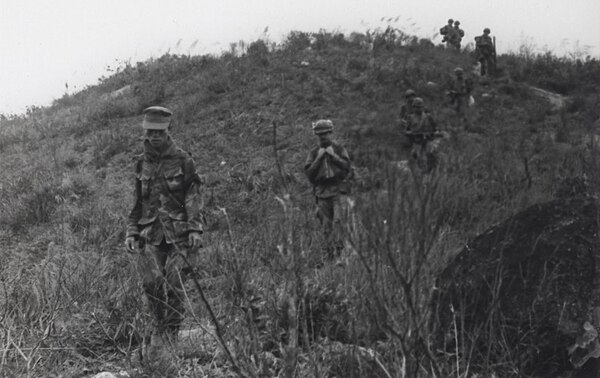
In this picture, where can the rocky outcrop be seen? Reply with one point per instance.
(526, 291)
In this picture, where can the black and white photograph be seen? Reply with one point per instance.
(299, 189)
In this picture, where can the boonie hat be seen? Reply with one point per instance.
(322, 126)
(156, 118)
(418, 101)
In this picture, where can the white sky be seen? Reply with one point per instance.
(46, 44)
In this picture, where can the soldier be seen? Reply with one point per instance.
(406, 108)
(422, 131)
(328, 167)
(460, 94)
(448, 32)
(458, 35)
(164, 225)
(485, 51)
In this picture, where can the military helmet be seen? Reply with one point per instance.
(409, 92)
(486, 30)
(418, 102)
(450, 21)
(322, 126)
(456, 22)
(458, 70)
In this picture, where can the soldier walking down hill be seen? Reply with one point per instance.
(460, 95)
(328, 167)
(485, 51)
(458, 35)
(164, 225)
(422, 131)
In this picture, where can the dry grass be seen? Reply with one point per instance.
(69, 298)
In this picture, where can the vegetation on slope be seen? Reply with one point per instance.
(70, 296)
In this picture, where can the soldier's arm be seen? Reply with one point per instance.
(193, 197)
(311, 167)
(341, 159)
(136, 212)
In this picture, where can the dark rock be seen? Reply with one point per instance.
(520, 293)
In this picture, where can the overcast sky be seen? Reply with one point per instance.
(46, 44)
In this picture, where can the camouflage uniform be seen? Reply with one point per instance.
(485, 51)
(166, 210)
(330, 187)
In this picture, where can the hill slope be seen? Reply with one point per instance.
(66, 189)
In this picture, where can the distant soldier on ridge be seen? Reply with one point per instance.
(485, 51)
(328, 167)
(458, 35)
(448, 32)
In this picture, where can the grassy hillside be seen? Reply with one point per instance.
(71, 302)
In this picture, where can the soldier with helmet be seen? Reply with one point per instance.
(458, 35)
(406, 109)
(328, 168)
(485, 51)
(421, 130)
(164, 225)
(448, 32)
(459, 94)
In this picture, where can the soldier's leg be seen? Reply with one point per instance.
(490, 65)
(325, 214)
(418, 154)
(432, 155)
(484, 66)
(151, 265)
(463, 112)
(174, 313)
(340, 218)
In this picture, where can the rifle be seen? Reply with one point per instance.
(494, 44)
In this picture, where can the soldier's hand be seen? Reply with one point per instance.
(321, 152)
(330, 151)
(131, 244)
(195, 240)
